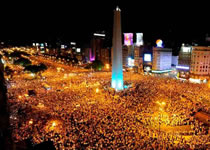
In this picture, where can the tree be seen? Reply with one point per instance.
(32, 68)
(42, 67)
(18, 54)
(96, 65)
(23, 62)
(36, 69)
(15, 54)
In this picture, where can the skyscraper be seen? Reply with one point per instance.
(162, 58)
(97, 44)
(117, 69)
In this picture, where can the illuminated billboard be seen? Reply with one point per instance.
(97, 34)
(147, 57)
(62, 46)
(186, 49)
(73, 43)
(78, 50)
(128, 39)
(139, 39)
(159, 43)
(183, 67)
(42, 45)
(130, 62)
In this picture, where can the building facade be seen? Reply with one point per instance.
(138, 59)
(137, 56)
(174, 60)
(125, 55)
(200, 62)
(105, 56)
(194, 62)
(162, 58)
(97, 44)
(184, 61)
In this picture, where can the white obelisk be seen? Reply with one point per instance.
(117, 68)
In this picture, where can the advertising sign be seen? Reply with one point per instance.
(128, 39)
(139, 39)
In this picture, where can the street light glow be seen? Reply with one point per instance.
(107, 66)
(53, 124)
(163, 103)
(97, 90)
(73, 43)
(32, 75)
(31, 121)
(183, 67)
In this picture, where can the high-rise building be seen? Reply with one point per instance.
(185, 56)
(117, 67)
(184, 61)
(98, 50)
(131, 51)
(194, 62)
(87, 54)
(97, 43)
(137, 56)
(162, 58)
(105, 55)
(146, 53)
(174, 60)
(138, 59)
(125, 55)
(200, 62)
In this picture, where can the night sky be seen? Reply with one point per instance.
(76, 20)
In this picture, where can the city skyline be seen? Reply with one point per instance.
(68, 81)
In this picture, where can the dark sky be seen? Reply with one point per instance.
(77, 19)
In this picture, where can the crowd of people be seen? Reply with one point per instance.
(81, 111)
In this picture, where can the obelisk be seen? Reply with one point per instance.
(117, 68)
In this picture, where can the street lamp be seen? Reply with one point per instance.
(53, 124)
(31, 121)
(107, 66)
(163, 103)
(97, 90)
